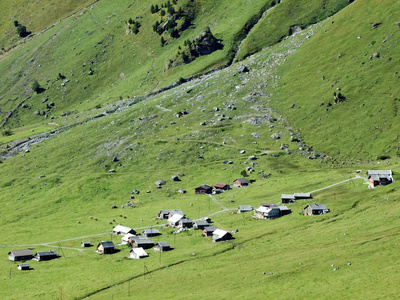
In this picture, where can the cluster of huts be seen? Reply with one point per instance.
(272, 210)
(220, 187)
(177, 219)
(27, 254)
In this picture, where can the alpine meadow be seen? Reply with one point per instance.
(199, 149)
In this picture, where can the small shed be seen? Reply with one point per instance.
(379, 177)
(120, 229)
(203, 189)
(245, 208)
(162, 246)
(287, 198)
(24, 267)
(106, 247)
(208, 231)
(240, 182)
(45, 255)
(220, 235)
(167, 213)
(164, 214)
(284, 210)
(298, 196)
(138, 253)
(144, 243)
(174, 220)
(151, 232)
(85, 244)
(18, 255)
(174, 212)
(315, 209)
(264, 212)
(200, 224)
(221, 186)
(269, 205)
(185, 223)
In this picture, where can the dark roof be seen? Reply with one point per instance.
(163, 244)
(205, 187)
(380, 172)
(241, 180)
(46, 253)
(201, 223)
(151, 231)
(266, 204)
(245, 207)
(317, 206)
(17, 253)
(302, 195)
(185, 220)
(144, 241)
(26, 265)
(210, 228)
(220, 185)
(107, 244)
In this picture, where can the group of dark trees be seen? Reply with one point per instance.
(21, 30)
(135, 25)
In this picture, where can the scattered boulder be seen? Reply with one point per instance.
(175, 178)
(111, 171)
(136, 192)
(243, 69)
(159, 183)
(275, 136)
(256, 135)
(253, 157)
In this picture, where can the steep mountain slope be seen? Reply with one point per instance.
(58, 187)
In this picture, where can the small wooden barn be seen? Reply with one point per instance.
(285, 198)
(162, 246)
(144, 243)
(245, 208)
(220, 235)
(18, 255)
(86, 244)
(240, 182)
(315, 209)
(106, 247)
(208, 231)
(264, 212)
(174, 220)
(200, 224)
(379, 177)
(151, 232)
(185, 223)
(298, 196)
(45, 255)
(203, 189)
(120, 229)
(137, 253)
(167, 213)
(284, 210)
(221, 186)
(24, 267)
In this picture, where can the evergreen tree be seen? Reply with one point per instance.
(21, 30)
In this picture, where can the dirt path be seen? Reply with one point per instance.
(332, 185)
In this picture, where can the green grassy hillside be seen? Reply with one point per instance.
(60, 177)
